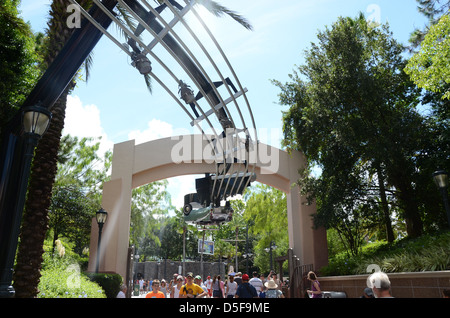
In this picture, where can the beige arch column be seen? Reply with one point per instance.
(136, 165)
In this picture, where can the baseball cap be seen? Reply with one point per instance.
(245, 277)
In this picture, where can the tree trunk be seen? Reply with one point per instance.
(385, 207)
(414, 224)
(42, 176)
(35, 218)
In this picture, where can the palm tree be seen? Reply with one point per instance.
(43, 172)
(218, 10)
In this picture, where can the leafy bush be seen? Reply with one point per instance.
(426, 253)
(62, 277)
(109, 282)
(68, 282)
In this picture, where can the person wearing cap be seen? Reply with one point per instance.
(198, 281)
(208, 284)
(238, 278)
(175, 292)
(368, 293)
(245, 290)
(272, 290)
(190, 289)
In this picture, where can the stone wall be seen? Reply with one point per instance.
(403, 285)
(166, 268)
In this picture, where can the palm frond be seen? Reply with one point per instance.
(126, 18)
(88, 64)
(218, 10)
(148, 82)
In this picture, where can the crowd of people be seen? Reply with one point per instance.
(236, 285)
(242, 286)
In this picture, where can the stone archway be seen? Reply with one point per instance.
(137, 165)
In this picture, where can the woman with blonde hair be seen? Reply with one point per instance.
(315, 291)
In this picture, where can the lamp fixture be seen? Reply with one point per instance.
(101, 216)
(36, 120)
(441, 178)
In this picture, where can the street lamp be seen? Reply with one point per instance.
(441, 179)
(101, 217)
(35, 122)
(269, 250)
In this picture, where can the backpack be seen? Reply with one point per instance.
(272, 293)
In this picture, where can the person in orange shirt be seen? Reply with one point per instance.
(155, 293)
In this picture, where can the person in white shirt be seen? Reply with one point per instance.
(175, 293)
(122, 292)
(208, 284)
(257, 283)
(231, 287)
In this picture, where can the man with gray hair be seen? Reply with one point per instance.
(380, 284)
(122, 292)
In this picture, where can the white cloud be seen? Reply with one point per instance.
(89, 117)
(84, 121)
(157, 129)
(178, 187)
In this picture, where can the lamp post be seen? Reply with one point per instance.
(269, 250)
(101, 217)
(441, 179)
(35, 122)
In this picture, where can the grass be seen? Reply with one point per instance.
(429, 252)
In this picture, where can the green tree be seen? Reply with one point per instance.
(18, 61)
(266, 208)
(429, 68)
(352, 112)
(433, 11)
(149, 204)
(77, 190)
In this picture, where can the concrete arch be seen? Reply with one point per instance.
(136, 165)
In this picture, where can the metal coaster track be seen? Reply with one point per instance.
(228, 144)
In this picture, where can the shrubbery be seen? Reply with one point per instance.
(109, 282)
(68, 282)
(62, 277)
(426, 253)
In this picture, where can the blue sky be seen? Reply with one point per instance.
(116, 105)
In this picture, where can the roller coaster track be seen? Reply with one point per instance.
(166, 26)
